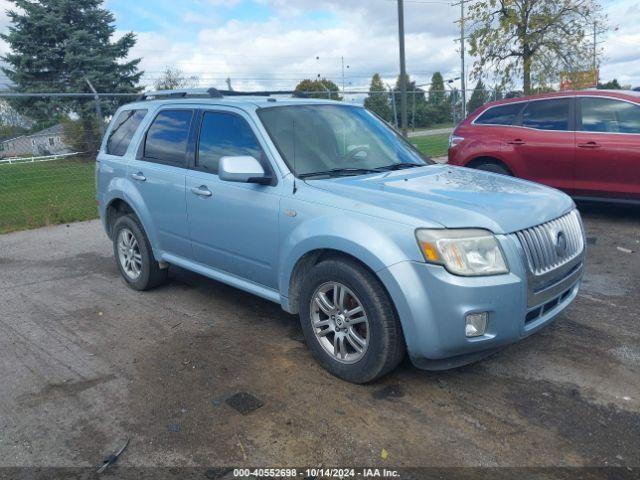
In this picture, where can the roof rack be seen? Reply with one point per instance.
(190, 92)
(263, 93)
(214, 93)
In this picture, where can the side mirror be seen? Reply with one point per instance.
(242, 169)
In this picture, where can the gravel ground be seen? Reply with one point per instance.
(86, 362)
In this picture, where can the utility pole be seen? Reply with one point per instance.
(598, 31)
(463, 76)
(403, 70)
(595, 52)
(343, 67)
(463, 82)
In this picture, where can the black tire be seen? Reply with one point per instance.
(386, 347)
(150, 275)
(493, 168)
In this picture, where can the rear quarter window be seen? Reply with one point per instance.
(609, 116)
(124, 127)
(500, 115)
(547, 114)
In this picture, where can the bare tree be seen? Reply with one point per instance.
(173, 78)
(531, 39)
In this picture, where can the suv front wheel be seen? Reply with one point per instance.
(134, 256)
(349, 322)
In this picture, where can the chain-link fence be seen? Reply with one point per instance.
(427, 109)
(48, 145)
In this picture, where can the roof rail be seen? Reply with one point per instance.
(188, 92)
(215, 93)
(262, 93)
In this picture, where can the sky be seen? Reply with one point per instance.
(273, 44)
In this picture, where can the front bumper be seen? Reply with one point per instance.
(432, 305)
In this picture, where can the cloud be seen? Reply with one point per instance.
(297, 39)
(291, 45)
(621, 52)
(303, 38)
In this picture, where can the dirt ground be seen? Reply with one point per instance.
(86, 362)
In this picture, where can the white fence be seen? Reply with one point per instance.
(46, 158)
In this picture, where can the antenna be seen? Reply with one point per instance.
(293, 134)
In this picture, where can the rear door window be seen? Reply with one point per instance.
(167, 137)
(547, 114)
(225, 135)
(124, 127)
(609, 116)
(501, 115)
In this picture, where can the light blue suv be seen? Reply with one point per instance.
(321, 207)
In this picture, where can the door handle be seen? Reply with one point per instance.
(139, 176)
(517, 141)
(589, 145)
(202, 191)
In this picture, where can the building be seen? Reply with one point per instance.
(49, 141)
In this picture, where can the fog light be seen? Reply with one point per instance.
(476, 324)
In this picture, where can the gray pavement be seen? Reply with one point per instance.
(86, 362)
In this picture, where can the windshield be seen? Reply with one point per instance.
(336, 140)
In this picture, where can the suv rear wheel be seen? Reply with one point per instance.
(493, 168)
(349, 322)
(134, 256)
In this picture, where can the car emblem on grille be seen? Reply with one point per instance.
(561, 243)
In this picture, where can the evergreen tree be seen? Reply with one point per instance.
(439, 101)
(416, 104)
(611, 85)
(436, 90)
(497, 93)
(378, 99)
(324, 88)
(55, 45)
(478, 98)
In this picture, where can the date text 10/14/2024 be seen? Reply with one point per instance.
(316, 472)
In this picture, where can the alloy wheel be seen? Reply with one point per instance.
(340, 322)
(129, 254)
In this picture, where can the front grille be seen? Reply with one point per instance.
(543, 245)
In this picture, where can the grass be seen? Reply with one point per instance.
(432, 145)
(35, 195)
(46, 193)
(437, 126)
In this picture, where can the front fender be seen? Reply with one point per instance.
(377, 247)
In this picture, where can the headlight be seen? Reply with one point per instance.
(463, 252)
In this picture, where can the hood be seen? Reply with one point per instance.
(453, 197)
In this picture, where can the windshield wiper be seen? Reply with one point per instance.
(399, 166)
(340, 171)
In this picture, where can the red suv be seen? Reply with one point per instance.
(586, 143)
